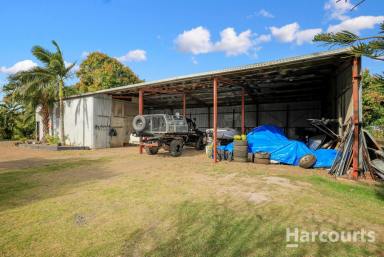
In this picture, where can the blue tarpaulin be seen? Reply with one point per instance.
(271, 139)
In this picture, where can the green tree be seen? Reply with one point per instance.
(99, 71)
(71, 90)
(44, 84)
(41, 94)
(24, 124)
(8, 115)
(370, 46)
(373, 99)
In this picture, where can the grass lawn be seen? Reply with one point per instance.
(117, 203)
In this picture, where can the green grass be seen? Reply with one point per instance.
(212, 229)
(359, 192)
(17, 184)
(119, 207)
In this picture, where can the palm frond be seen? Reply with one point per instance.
(42, 54)
(339, 38)
(57, 47)
(69, 68)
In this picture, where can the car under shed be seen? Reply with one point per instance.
(285, 93)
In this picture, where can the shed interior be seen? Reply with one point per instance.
(284, 93)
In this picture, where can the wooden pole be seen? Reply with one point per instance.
(215, 86)
(141, 111)
(356, 122)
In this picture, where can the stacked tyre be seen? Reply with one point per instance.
(240, 150)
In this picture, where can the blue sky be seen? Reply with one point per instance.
(159, 39)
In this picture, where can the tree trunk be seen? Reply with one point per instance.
(61, 106)
(44, 112)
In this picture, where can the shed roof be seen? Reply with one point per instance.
(281, 80)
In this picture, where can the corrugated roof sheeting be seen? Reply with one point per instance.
(287, 79)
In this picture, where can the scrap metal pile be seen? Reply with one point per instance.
(371, 155)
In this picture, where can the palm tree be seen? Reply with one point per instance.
(40, 93)
(43, 80)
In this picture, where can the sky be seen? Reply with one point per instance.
(160, 39)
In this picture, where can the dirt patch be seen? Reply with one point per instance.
(283, 182)
(257, 198)
(249, 196)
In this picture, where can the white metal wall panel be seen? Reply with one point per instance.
(78, 121)
(40, 122)
(102, 113)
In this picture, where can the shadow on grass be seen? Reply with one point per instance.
(200, 229)
(187, 152)
(22, 186)
(24, 163)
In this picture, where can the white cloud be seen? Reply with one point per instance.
(137, 55)
(337, 10)
(264, 38)
(198, 41)
(19, 66)
(285, 33)
(292, 33)
(194, 61)
(233, 44)
(74, 68)
(265, 13)
(355, 25)
(85, 54)
(306, 35)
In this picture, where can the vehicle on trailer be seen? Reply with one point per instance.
(170, 132)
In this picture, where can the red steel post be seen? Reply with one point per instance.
(141, 111)
(355, 96)
(242, 111)
(184, 105)
(215, 85)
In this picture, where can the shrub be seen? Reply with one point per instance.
(52, 140)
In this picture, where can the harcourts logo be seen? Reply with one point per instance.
(296, 236)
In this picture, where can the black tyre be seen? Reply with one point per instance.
(151, 150)
(239, 143)
(200, 143)
(176, 147)
(307, 161)
(139, 123)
